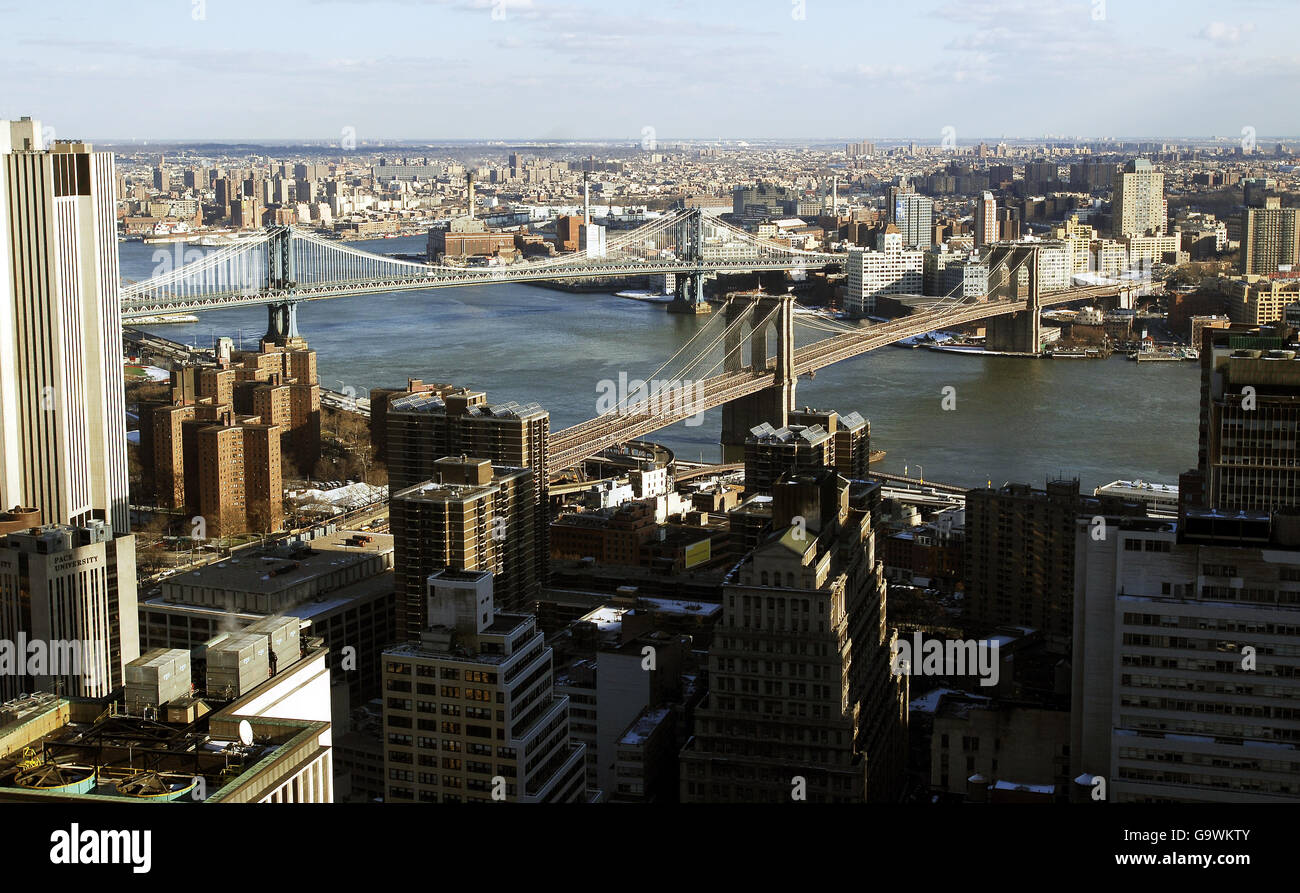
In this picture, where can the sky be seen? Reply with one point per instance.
(551, 70)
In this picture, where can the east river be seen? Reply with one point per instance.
(1014, 419)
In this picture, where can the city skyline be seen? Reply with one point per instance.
(543, 71)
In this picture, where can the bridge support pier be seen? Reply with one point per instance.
(282, 325)
(1020, 332)
(772, 404)
(689, 296)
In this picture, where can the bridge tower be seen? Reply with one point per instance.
(690, 285)
(282, 277)
(1021, 331)
(772, 404)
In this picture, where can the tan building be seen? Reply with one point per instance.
(1138, 207)
(470, 710)
(792, 712)
(275, 387)
(1270, 238)
(1256, 300)
(471, 515)
(240, 483)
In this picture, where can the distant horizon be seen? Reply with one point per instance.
(549, 70)
(1262, 140)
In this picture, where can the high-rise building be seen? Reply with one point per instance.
(1184, 660)
(1270, 238)
(274, 386)
(802, 702)
(1020, 555)
(891, 270)
(1138, 208)
(470, 515)
(986, 220)
(771, 453)
(239, 474)
(470, 710)
(1248, 458)
(74, 590)
(423, 425)
(63, 423)
(851, 434)
(914, 216)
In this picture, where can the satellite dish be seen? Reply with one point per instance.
(245, 733)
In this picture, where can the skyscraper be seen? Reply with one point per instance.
(1270, 238)
(1248, 457)
(986, 220)
(825, 719)
(1184, 678)
(471, 707)
(1139, 203)
(914, 216)
(63, 425)
(74, 590)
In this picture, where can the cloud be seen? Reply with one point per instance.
(1224, 34)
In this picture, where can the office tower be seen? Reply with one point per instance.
(1270, 238)
(470, 515)
(914, 216)
(161, 181)
(851, 434)
(1250, 409)
(801, 697)
(224, 196)
(1020, 555)
(73, 589)
(890, 270)
(986, 220)
(771, 453)
(1138, 207)
(470, 710)
(1185, 672)
(63, 424)
(603, 672)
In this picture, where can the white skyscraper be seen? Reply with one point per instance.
(1139, 203)
(63, 425)
(892, 270)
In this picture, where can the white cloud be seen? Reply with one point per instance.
(1223, 33)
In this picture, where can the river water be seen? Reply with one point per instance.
(1014, 419)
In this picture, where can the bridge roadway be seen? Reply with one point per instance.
(133, 307)
(571, 445)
